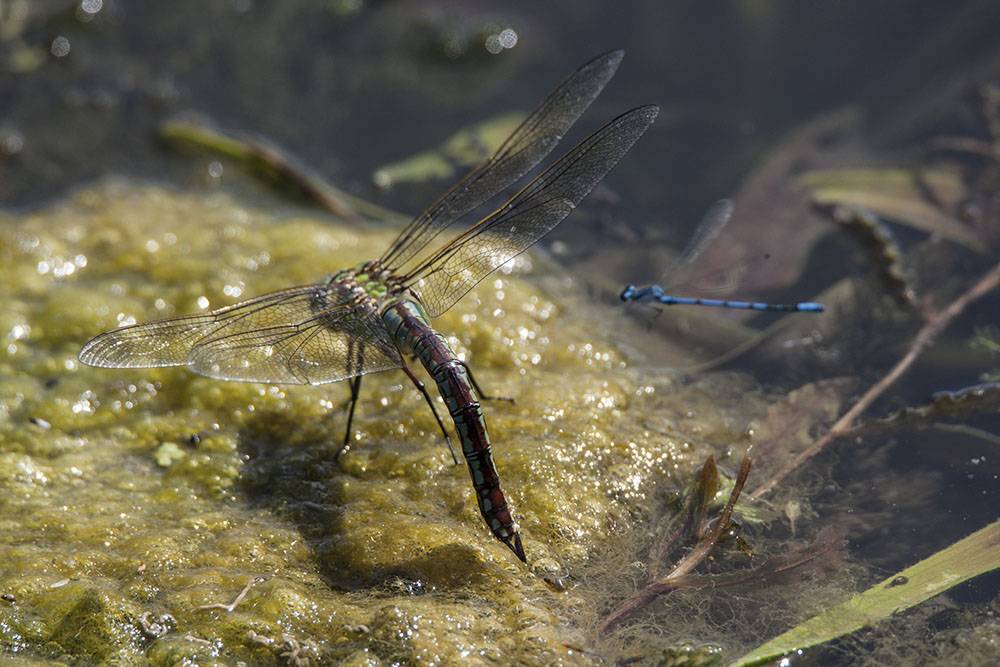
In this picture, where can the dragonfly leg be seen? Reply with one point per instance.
(423, 390)
(355, 384)
(479, 390)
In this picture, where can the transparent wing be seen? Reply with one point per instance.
(333, 345)
(528, 216)
(282, 324)
(526, 147)
(712, 223)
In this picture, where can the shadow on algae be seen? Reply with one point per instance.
(134, 498)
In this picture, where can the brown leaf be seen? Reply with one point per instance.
(771, 209)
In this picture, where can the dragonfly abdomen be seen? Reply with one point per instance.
(409, 328)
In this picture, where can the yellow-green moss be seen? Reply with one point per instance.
(160, 491)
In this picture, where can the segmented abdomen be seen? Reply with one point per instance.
(408, 326)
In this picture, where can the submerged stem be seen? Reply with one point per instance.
(935, 324)
(674, 580)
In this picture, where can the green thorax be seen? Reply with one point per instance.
(377, 283)
(369, 277)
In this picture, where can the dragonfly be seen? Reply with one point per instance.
(718, 216)
(367, 318)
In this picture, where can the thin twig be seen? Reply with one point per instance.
(239, 598)
(705, 545)
(669, 583)
(935, 324)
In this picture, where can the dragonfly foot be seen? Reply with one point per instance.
(340, 450)
(479, 390)
(447, 440)
(507, 399)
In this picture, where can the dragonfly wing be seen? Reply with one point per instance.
(530, 215)
(148, 345)
(167, 342)
(332, 345)
(526, 147)
(170, 342)
(711, 225)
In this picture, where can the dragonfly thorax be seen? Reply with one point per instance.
(369, 280)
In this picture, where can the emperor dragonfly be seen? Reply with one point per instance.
(364, 319)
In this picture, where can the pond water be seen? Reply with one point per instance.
(137, 503)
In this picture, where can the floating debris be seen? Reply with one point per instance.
(239, 598)
(39, 422)
(275, 163)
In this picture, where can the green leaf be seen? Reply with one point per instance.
(462, 150)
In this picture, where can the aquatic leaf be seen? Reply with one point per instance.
(275, 163)
(974, 555)
(466, 148)
(987, 339)
(708, 485)
(960, 404)
(900, 195)
(825, 554)
(883, 253)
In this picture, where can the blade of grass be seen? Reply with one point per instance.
(969, 557)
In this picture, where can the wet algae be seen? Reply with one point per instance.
(132, 499)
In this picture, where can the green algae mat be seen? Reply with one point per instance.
(139, 505)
